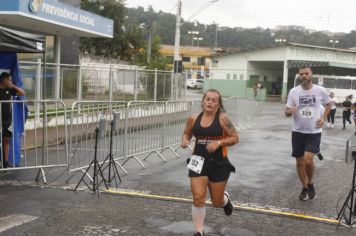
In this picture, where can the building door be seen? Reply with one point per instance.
(254, 79)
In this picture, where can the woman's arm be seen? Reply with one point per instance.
(187, 134)
(230, 131)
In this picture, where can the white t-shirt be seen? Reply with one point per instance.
(310, 107)
(333, 103)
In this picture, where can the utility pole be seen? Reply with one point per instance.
(177, 38)
(216, 38)
(150, 27)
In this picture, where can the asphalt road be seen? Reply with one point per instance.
(265, 177)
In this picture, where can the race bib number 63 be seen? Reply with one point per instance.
(196, 164)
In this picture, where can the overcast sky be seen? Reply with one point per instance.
(333, 15)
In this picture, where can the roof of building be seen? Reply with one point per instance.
(51, 17)
(321, 47)
(229, 53)
(168, 50)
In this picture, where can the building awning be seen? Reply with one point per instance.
(21, 42)
(298, 64)
(342, 65)
(53, 18)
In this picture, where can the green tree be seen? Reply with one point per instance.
(124, 44)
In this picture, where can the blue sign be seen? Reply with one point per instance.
(60, 14)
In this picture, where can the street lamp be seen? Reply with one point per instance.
(333, 42)
(193, 33)
(198, 39)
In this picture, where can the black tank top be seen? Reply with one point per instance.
(205, 135)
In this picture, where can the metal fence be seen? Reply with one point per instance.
(100, 82)
(38, 135)
(146, 128)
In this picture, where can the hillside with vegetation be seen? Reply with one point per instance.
(131, 27)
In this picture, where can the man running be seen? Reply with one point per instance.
(346, 113)
(305, 104)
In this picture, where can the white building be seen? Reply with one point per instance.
(275, 68)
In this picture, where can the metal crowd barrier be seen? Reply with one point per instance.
(146, 128)
(177, 113)
(84, 119)
(39, 131)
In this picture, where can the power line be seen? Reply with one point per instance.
(201, 9)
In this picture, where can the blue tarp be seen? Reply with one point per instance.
(8, 61)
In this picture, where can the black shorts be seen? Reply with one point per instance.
(305, 143)
(215, 170)
(6, 132)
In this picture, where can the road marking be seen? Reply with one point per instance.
(239, 207)
(11, 221)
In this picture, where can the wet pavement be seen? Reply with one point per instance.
(265, 177)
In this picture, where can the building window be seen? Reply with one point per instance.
(186, 59)
(235, 76)
(201, 61)
(329, 83)
(241, 76)
(228, 76)
(343, 84)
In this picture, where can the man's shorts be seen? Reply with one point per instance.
(215, 170)
(305, 143)
(6, 132)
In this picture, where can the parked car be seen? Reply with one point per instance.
(195, 83)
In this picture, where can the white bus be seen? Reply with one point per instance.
(342, 86)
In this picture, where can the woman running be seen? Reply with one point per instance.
(331, 116)
(209, 167)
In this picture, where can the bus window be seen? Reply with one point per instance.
(315, 80)
(329, 83)
(354, 84)
(343, 84)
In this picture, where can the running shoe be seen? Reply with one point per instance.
(199, 234)
(311, 191)
(320, 156)
(228, 208)
(303, 196)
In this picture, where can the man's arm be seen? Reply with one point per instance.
(327, 110)
(327, 106)
(290, 108)
(289, 111)
(18, 91)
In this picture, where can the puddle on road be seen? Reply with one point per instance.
(183, 227)
(180, 227)
(237, 231)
